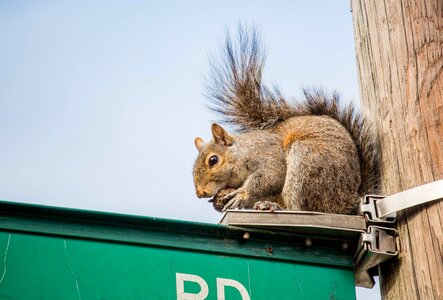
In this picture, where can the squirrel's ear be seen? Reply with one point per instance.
(199, 144)
(221, 136)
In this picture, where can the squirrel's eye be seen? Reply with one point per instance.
(213, 160)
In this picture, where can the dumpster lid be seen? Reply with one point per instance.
(298, 222)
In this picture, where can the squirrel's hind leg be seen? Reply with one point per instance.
(267, 206)
(320, 178)
(294, 189)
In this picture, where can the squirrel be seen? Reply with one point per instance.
(309, 155)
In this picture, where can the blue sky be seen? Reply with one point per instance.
(100, 101)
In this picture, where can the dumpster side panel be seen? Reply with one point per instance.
(55, 267)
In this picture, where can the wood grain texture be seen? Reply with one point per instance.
(399, 46)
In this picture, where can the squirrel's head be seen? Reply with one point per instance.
(213, 168)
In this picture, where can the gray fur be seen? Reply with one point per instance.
(313, 154)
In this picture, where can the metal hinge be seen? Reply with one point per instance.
(379, 243)
(369, 209)
(376, 245)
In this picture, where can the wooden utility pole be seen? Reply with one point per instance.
(399, 45)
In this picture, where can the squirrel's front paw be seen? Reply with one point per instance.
(267, 206)
(220, 200)
(234, 203)
(239, 200)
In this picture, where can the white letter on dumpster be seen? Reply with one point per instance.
(180, 280)
(222, 282)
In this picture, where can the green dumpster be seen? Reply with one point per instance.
(60, 253)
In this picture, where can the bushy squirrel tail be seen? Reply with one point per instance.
(235, 85)
(237, 93)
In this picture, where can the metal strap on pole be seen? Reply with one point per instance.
(381, 210)
(409, 198)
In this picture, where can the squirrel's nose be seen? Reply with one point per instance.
(200, 192)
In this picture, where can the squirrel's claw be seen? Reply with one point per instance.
(235, 202)
(267, 206)
(229, 196)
